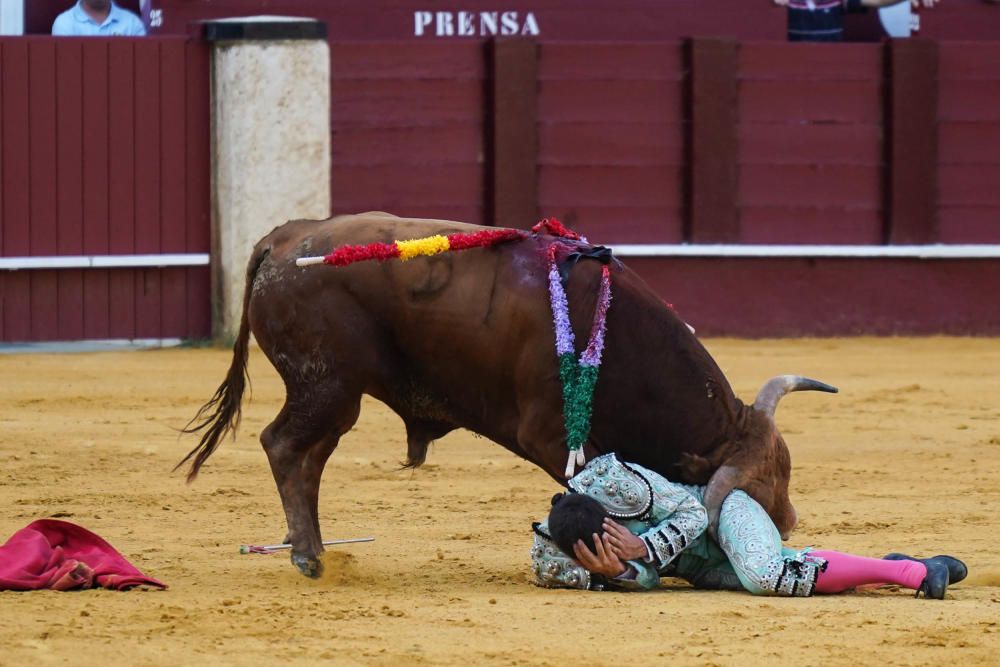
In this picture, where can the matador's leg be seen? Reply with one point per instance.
(752, 543)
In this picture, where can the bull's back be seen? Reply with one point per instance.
(414, 333)
(300, 238)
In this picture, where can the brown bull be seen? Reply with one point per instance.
(465, 340)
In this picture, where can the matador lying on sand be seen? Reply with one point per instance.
(628, 526)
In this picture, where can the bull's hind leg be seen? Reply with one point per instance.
(298, 443)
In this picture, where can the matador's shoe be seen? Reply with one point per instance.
(957, 571)
(941, 570)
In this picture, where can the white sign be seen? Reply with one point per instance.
(474, 24)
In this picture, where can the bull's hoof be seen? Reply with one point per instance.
(309, 566)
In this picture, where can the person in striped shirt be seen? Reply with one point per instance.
(823, 20)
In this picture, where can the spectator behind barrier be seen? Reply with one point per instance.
(97, 18)
(823, 20)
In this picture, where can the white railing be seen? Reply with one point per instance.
(103, 261)
(936, 251)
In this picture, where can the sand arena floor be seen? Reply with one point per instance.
(907, 457)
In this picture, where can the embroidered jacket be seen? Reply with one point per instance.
(668, 517)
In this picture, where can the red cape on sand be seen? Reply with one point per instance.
(62, 556)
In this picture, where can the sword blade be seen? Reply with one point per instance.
(253, 548)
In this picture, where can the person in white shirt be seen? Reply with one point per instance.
(97, 18)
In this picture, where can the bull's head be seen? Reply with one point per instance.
(760, 463)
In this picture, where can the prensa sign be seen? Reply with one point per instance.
(474, 24)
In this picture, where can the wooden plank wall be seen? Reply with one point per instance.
(968, 171)
(810, 143)
(588, 20)
(801, 296)
(834, 143)
(511, 131)
(407, 124)
(911, 142)
(713, 145)
(104, 149)
(612, 139)
(585, 20)
(632, 145)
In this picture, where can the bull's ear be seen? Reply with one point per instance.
(556, 498)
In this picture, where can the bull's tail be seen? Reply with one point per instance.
(221, 414)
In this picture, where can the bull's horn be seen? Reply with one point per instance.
(772, 391)
(723, 481)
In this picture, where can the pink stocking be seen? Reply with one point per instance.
(846, 571)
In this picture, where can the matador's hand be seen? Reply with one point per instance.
(603, 562)
(623, 543)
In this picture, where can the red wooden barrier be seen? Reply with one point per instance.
(810, 118)
(512, 132)
(407, 128)
(619, 139)
(911, 141)
(968, 168)
(590, 20)
(105, 151)
(611, 139)
(713, 110)
(613, 131)
(583, 20)
(829, 296)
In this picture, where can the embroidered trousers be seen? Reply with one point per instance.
(750, 555)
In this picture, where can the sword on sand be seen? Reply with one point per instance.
(271, 548)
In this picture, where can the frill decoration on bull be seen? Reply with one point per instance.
(578, 378)
(553, 227)
(404, 250)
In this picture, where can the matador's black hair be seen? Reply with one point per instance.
(575, 516)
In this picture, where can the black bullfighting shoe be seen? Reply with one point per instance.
(935, 584)
(956, 568)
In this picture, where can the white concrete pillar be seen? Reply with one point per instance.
(271, 141)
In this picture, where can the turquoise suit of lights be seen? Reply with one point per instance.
(671, 520)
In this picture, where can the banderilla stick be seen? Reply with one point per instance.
(269, 548)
